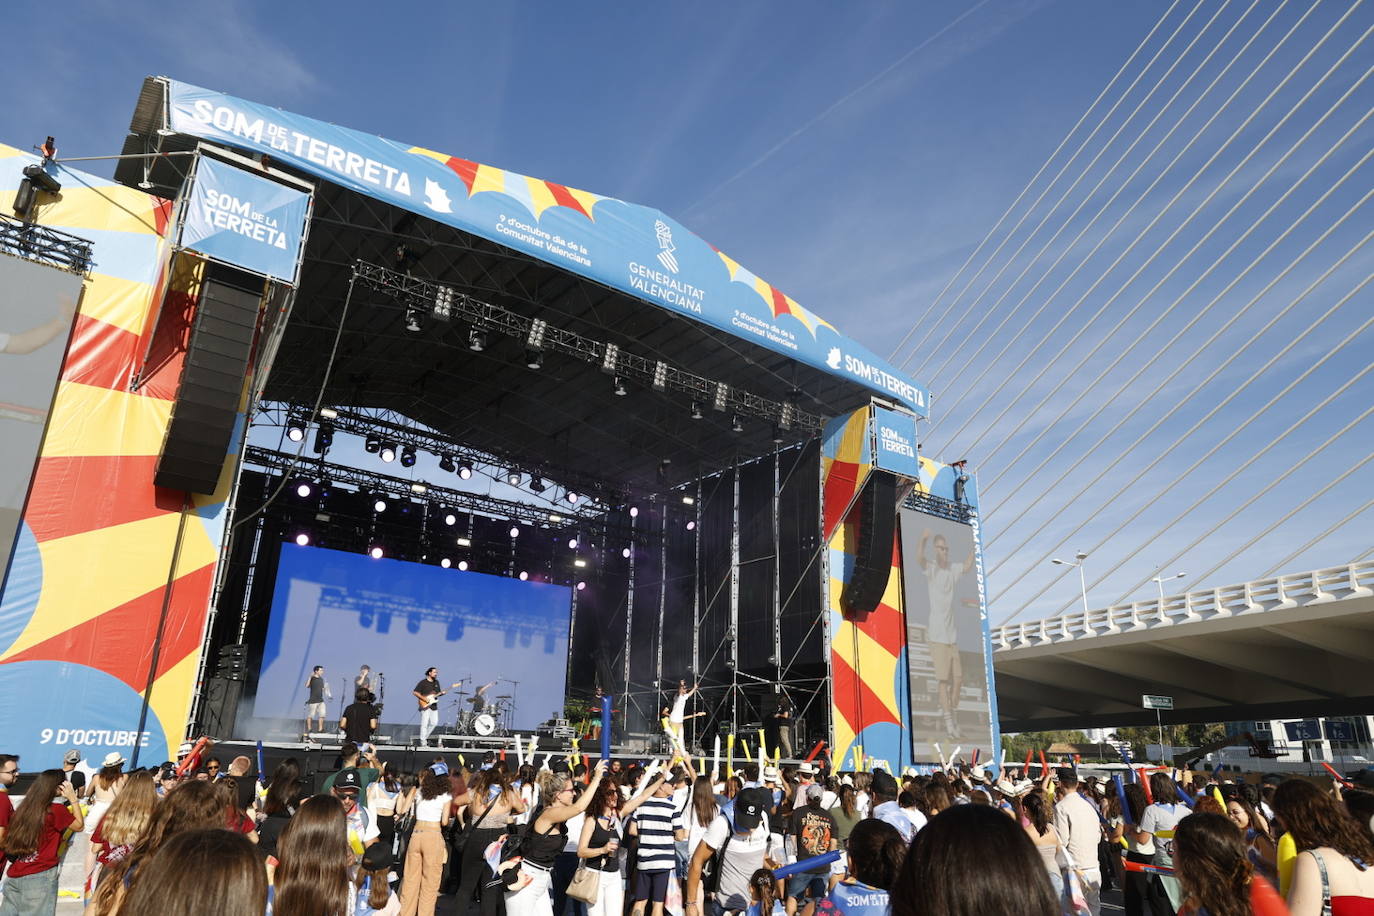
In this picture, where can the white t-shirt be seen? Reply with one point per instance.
(679, 712)
(829, 799)
(432, 809)
(917, 818)
(742, 858)
(940, 584)
(1163, 819)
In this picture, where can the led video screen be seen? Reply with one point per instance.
(345, 610)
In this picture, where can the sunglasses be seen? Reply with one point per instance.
(352, 795)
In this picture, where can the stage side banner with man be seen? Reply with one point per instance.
(93, 555)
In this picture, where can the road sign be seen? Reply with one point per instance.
(1150, 702)
(1304, 730)
(1340, 731)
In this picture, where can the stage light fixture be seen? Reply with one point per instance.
(555, 517)
(387, 452)
(581, 586)
(446, 463)
(534, 359)
(689, 500)
(462, 565)
(408, 456)
(450, 519)
(572, 543)
(413, 622)
(634, 512)
(477, 340)
(324, 437)
(620, 389)
(736, 424)
(571, 497)
(329, 413)
(513, 477)
(295, 430)
(303, 489)
(721, 398)
(580, 563)
(443, 304)
(537, 484)
(464, 542)
(625, 552)
(419, 488)
(524, 576)
(660, 382)
(610, 358)
(303, 539)
(379, 505)
(465, 471)
(515, 531)
(696, 410)
(376, 553)
(691, 526)
(446, 562)
(372, 445)
(413, 324)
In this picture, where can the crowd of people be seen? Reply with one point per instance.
(193, 836)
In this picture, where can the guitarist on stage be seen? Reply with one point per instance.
(427, 693)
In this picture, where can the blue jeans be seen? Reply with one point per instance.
(798, 884)
(31, 895)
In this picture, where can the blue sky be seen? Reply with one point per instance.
(855, 155)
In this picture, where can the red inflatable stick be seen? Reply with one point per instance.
(1336, 776)
(1025, 767)
(814, 751)
(1044, 767)
(1145, 784)
(191, 762)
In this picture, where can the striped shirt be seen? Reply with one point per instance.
(658, 820)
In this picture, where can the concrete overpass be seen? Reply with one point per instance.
(1290, 646)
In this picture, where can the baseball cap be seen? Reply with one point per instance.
(72, 756)
(377, 856)
(814, 793)
(749, 807)
(348, 779)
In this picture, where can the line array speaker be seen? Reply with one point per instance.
(875, 520)
(206, 407)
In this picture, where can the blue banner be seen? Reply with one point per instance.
(637, 250)
(895, 450)
(240, 218)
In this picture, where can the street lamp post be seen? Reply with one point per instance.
(1082, 579)
(1159, 580)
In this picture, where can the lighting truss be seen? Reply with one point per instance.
(365, 481)
(649, 373)
(46, 246)
(939, 507)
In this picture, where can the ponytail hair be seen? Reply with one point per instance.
(764, 887)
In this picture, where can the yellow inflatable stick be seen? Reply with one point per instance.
(729, 755)
(1287, 855)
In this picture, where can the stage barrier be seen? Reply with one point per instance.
(93, 561)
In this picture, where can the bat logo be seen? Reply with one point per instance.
(436, 198)
(832, 359)
(665, 242)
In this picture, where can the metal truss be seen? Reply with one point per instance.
(46, 246)
(940, 507)
(443, 300)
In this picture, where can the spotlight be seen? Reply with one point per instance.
(689, 500)
(696, 410)
(534, 359)
(465, 471)
(581, 586)
(625, 552)
(329, 413)
(413, 320)
(477, 340)
(464, 542)
(524, 576)
(572, 543)
(376, 553)
(387, 452)
(419, 488)
(379, 505)
(443, 304)
(450, 519)
(620, 389)
(303, 539)
(515, 531)
(691, 526)
(462, 565)
(634, 512)
(537, 484)
(295, 430)
(571, 497)
(303, 489)
(513, 477)
(736, 424)
(580, 563)
(373, 445)
(408, 456)
(446, 562)
(446, 463)
(324, 437)
(555, 517)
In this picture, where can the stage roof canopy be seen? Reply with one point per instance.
(580, 261)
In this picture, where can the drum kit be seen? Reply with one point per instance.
(483, 717)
